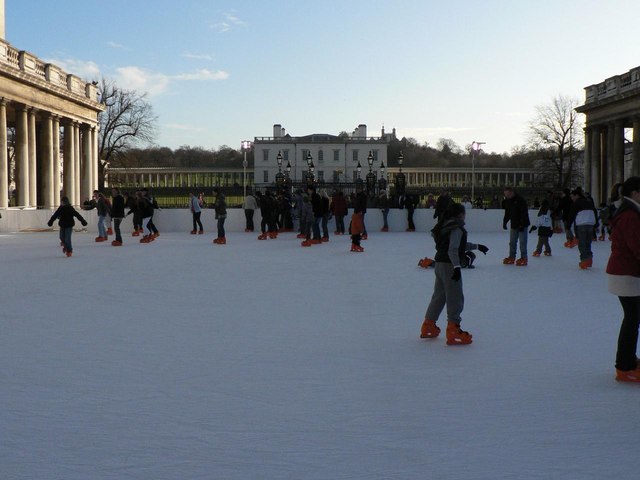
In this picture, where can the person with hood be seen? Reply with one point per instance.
(584, 216)
(451, 244)
(195, 205)
(117, 214)
(65, 214)
(220, 207)
(516, 213)
(623, 276)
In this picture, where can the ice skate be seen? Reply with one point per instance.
(262, 236)
(584, 264)
(547, 254)
(116, 243)
(521, 262)
(109, 231)
(69, 254)
(628, 376)
(193, 232)
(429, 329)
(536, 253)
(136, 233)
(509, 260)
(101, 239)
(384, 229)
(306, 243)
(200, 232)
(457, 336)
(425, 262)
(301, 235)
(356, 248)
(324, 239)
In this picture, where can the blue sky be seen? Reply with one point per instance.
(219, 72)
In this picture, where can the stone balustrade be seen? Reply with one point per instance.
(32, 65)
(616, 85)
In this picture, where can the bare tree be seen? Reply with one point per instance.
(556, 133)
(128, 121)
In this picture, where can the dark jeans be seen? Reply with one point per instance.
(325, 228)
(116, 228)
(137, 221)
(385, 215)
(355, 239)
(152, 228)
(221, 226)
(196, 220)
(543, 241)
(567, 230)
(412, 225)
(248, 214)
(585, 236)
(339, 223)
(628, 338)
(65, 238)
(316, 228)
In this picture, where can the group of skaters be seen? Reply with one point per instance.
(617, 220)
(197, 203)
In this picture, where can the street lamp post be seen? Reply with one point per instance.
(382, 183)
(244, 146)
(475, 147)
(279, 175)
(371, 178)
(400, 178)
(311, 167)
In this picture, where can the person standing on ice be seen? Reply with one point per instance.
(623, 272)
(451, 244)
(196, 212)
(220, 207)
(65, 214)
(584, 216)
(545, 229)
(516, 213)
(145, 209)
(117, 214)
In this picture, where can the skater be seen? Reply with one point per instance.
(220, 207)
(383, 204)
(564, 212)
(250, 206)
(360, 205)
(623, 272)
(604, 213)
(443, 202)
(584, 216)
(117, 214)
(306, 220)
(516, 213)
(325, 210)
(154, 206)
(65, 214)
(146, 212)
(196, 212)
(545, 229)
(409, 202)
(316, 205)
(356, 228)
(103, 210)
(451, 243)
(339, 210)
(131, 202)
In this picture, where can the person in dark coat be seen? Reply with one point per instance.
(443, 202)
(564, 212)
(131, 202)
(316, 205)
(117, 214)
(409, 202)
(339, 210)
(145, 208)
(516, 212)
(65, 215)
(360, 205)
(220, 207)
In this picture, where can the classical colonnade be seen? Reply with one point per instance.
(48, 162)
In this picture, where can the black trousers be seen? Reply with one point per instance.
(248, 214)
(196, 220)
(628, 338)
(116, 227)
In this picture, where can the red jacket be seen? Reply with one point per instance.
(625, 241)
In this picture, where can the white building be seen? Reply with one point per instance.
(335, 157)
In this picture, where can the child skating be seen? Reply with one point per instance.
(544, 226)
(65, 214)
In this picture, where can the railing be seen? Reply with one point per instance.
(614, 86)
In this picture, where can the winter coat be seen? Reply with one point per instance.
(516, 212)
(250, 203)
(451, 242)
(306, 210)
(544, 223)
(442, 204)
(65, 214)
(195, 205)
(117, 209)
(383, 202)
(360, 202)
(623, 268)
(316, 205)
(583, 212)
(339, 205)
(145, 208)
(220, 206)
(564, 207)
(103, 208)
(325, 206)
(357, 223)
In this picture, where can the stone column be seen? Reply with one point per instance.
(596, 165)
(55, 125)
(33, 191)
(69, 162)
(618, 152)
(610, 157)
(76, 165)
(46, 167)
(635, 156)
(95, 159)
(87, 164)
(22, 156)
(587, 162)
(4, 158)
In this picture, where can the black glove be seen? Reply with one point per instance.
(84, 224)
(50, 224)
(457, 275)
(504, 226)
(483, 248)
(533, 227)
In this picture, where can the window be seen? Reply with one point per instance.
(355, 175)
(266, 176)
(336, 155)
(285, 156)
(320, 155)
(320, 176)
(265, 155)
(304, 155)
(375, 155)
(336, 176)
(355, 155)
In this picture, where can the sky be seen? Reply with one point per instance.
(219, 72)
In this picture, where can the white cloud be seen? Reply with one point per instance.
(195, 56)
(230, 21)
(114, 45)
(87, 70)
(155, 83)
(182, 127)
(202, 74)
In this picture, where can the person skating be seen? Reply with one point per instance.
(339, 211)
(383, 205)
(360, 205)
(325, 203)
(516, 213)
(443, 202)
(131, 202)
(544, 226)
(220, 207)
(154, 206)
(451, 242)
(584, 216)
(564, 212)
(409, 202)
(306, 219)
(102, 207)
(146, 212)
(195, 204)
(623, 276)
(117, 214)
(250, 205)
(357, 229)
(65, 215)
(316, 205)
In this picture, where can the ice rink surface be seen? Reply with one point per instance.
(264, 360)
